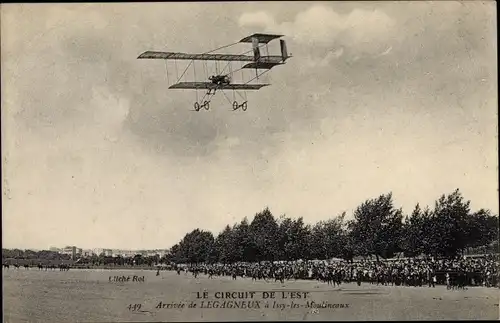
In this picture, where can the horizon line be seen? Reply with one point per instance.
(48, 249)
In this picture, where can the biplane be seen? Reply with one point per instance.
(223, 78)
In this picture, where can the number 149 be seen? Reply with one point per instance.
(134, 307)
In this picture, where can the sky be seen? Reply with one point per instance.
(379, 97)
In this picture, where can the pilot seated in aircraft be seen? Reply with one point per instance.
(220, 79)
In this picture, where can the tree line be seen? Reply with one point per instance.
(94, 260)
(377, 229)
(33, 255)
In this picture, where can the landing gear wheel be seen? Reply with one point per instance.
(235, 105)
(244, 106)
(197, 106)
(206, 104)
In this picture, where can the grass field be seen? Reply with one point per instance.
(88, 295)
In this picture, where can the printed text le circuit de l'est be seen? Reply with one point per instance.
(253, 295)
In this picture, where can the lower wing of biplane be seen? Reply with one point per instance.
(255, 61)
(212, 86)
(198, 105)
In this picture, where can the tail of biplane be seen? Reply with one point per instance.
(256, 50)
(284, 51)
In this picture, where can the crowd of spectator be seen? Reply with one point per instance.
(454, 273)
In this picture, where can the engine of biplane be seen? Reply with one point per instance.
(220, 79)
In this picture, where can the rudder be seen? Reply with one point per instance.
(284, 51)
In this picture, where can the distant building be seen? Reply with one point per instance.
(164, 252)
(69, 250)
(158, 252)
(87, 253)
(131, 253)
(100, 251)
(74, 252)
(123, 253)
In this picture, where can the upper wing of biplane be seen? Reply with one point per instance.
(209, 57)
(210, 85)
(202, 57)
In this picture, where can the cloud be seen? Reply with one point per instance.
(258, 18)
(322, 62)
(321, 25)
